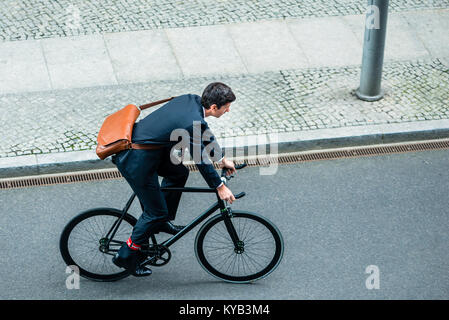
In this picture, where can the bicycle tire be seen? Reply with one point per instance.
(72, 258)
(240, 219)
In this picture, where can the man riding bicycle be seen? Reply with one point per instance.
(141, 168)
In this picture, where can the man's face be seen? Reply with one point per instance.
(217, 113)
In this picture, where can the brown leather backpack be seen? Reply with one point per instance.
(116, 131)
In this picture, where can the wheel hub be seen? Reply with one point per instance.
(240, 248)
(104, 245)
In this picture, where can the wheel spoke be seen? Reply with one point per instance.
(83, 244)
(240, 264)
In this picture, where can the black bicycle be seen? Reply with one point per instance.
(234, 246)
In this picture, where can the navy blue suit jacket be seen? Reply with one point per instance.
(186, 113)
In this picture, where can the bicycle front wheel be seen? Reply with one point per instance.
(260, 251)
(83, 243)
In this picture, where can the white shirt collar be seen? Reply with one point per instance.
(204, 112)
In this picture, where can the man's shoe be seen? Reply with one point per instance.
(142, 272)
(170, 228)
(137, 272)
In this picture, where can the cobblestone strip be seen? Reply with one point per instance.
(284, 101)
(33, 19)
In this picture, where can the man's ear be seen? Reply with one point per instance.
(213, 107)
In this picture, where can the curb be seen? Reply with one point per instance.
(246, 145)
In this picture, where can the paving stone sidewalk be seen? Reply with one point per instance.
(301, 88)
(25, 19)
(232, 49)
(271, 102)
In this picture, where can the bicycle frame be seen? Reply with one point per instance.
(220, 204)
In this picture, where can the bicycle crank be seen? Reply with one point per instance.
(159, 255)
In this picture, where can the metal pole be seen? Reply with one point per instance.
(373, 51)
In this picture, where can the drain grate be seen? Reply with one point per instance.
(72, 177)
(109, 174)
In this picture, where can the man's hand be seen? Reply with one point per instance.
(228, 164)
(225, 194)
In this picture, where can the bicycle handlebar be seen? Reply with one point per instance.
(237, 167)
(240, 195)
(225, 178)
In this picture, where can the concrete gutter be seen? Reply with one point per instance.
(237, 146)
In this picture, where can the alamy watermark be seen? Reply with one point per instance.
(204, 149)
(373, 280)
(73, 17)
(73, 280)
(372, 17)
(71, 20)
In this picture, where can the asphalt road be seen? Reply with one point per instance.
(337, 218)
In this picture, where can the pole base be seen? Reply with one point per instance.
(364, 97)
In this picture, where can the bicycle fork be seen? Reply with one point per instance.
(227, 215)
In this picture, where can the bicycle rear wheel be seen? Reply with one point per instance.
(82, 243)
(260, 253)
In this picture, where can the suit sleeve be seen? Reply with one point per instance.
(202, 145)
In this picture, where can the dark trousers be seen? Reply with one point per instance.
(141, 169)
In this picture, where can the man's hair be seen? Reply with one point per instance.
(217, 93)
